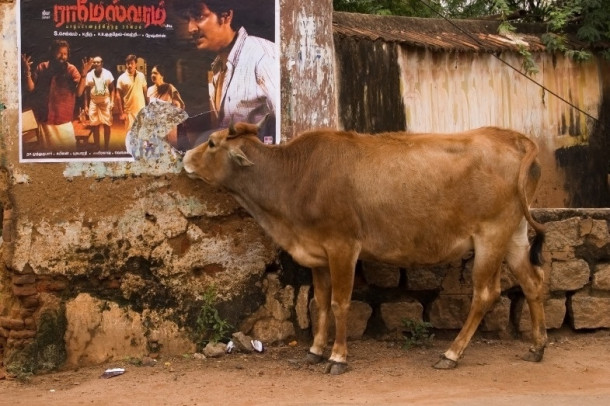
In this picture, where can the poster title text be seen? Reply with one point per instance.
(97, 12)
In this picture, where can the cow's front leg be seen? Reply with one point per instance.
(322, 295)
(342, 268)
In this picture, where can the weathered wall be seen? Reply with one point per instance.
(426, 91)
(373, 102)
(103, 260)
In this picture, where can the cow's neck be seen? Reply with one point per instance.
(265, 189)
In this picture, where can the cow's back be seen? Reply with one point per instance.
(409, 198)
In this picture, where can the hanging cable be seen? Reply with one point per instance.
(506, 63)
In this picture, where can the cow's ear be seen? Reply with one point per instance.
(238, 156)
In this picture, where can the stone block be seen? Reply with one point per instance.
(595, 231)
(25, 313)
(586, 226)
(425, 278)
(214, 350)
(507, 279)
(498, 317)
(24, 290)
(272, 330)
(301, 307)
(242, 342)
(357, 319)
(29, 323)
(30, 302)
(52, 285)
(449, 311)
(382, 275)
(601, 277)
(277, 309)
(458, 280)
(563, 235)
(18, 344)
(393, 314)
(26, 279)
(569, 275)
(565, 255)
(11, 323)
(554, 311)
(587, 311)
(21, 334)
(279, 300)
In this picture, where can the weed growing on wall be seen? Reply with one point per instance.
(45, 353)
(417, 334)
(211, 327)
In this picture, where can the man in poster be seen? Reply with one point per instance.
(243, 79)
(132, 89)
(99, 97)
(56, 83)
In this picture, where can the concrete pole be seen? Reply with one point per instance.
(307, 58)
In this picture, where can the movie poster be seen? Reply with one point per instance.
(91, 68)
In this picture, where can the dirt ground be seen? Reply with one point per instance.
(575, 371)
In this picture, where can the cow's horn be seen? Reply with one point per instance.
(232, 130)
(261, 122)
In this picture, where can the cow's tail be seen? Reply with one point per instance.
(529, 170)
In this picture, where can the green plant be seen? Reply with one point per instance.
(134, 361)
(45, 353)
(211, 327)
(417, 334)
(528, 64)
(20, 372)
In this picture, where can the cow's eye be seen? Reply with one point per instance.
(211, 144)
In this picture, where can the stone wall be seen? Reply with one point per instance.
(58, 320)
(577, 279)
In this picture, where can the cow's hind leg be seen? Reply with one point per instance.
(531, 279)
(322, 295)
(486, 290)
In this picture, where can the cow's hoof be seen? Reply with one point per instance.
(313, 359)
(533, 355)
(445, 363)
(335, 368)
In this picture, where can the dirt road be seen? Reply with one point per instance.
(575, 371)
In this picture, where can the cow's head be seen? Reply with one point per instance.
(217, 159)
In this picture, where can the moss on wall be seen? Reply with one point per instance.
(47, 351)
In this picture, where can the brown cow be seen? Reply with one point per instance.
(330, 198)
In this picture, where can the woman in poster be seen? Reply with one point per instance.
(162, 91)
